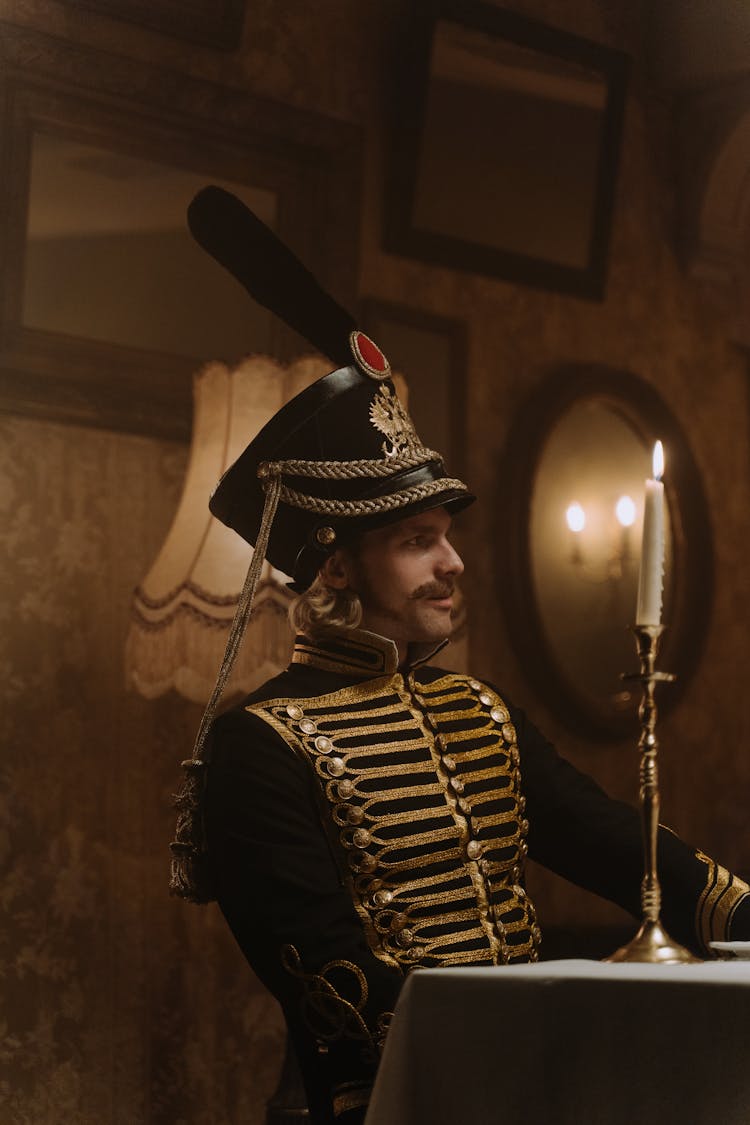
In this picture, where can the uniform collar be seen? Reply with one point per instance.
(357, 652)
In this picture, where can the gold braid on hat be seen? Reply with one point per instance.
(402, 450)
(272, 471)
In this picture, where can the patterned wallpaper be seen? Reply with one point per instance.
(120, 1004)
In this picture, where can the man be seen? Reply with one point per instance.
(366, 813)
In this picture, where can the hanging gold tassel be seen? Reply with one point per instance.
(191, 876)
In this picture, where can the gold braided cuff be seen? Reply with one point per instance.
(350, 1095)
(718, 902)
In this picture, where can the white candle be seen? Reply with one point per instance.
(651, 576)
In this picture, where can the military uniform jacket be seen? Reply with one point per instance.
(364, 820)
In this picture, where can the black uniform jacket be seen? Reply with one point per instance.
(364, 820)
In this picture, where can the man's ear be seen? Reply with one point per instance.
(336, 570)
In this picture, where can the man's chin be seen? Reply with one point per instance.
(435, 626)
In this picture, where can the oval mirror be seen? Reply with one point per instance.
(574, 477)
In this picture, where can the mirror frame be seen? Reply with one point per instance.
(312, 164)
(693, 564)
(408, 111)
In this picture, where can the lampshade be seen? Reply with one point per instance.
(183, 609)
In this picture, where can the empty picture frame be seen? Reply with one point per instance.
(107, 306)
(504, 147)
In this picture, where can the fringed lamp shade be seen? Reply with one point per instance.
(184, 607)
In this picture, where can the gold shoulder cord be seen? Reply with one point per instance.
(190, 877)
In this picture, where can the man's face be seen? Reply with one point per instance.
(404, 574)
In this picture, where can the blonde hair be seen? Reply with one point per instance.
(321, 608)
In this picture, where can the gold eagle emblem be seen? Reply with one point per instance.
(389, 417)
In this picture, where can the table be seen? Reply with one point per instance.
(569, 1043)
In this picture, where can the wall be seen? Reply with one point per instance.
(124, 1005)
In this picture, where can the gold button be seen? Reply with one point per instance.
(325, 536)
(464, 806)
(361, 838)
(449, 764)
(382, 898)
(524, 826)
(440, 743)
(508, 733)
(475, 685)
(307, 726)
(355, 815)
(406, 938)
(473, 849)
(367, 862)
(515, 874)
(344, 788)
(524, 848)
(457, 784)
(499, 715)
(294, 712)
(522, 805)
(399, 921)
(417, 951)
(485, 699)
(323, 744)
(335, 767)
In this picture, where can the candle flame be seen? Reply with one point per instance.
(658, 461)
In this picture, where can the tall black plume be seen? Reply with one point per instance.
(259, 260)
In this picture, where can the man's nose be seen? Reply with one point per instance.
(450, 562)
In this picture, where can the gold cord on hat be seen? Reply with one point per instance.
(190, 877)
(372, 506)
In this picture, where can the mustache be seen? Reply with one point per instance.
(434, 590)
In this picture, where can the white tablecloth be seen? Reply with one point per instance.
(569, 1043)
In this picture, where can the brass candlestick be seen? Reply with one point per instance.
(651, 943)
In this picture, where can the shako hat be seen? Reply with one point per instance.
(341, 457)
(344, 452)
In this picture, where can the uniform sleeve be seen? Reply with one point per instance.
(280, 889)
(579, 832)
